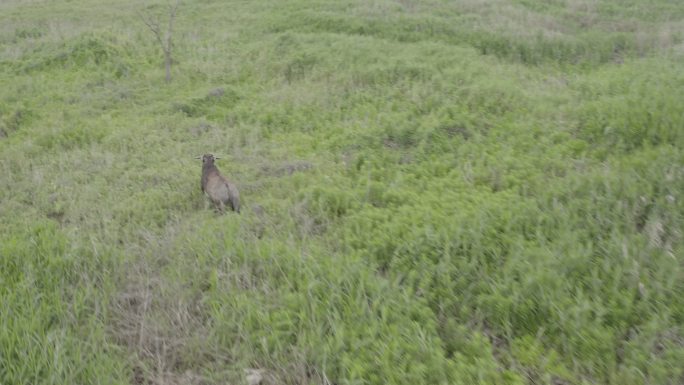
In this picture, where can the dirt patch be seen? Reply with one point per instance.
(200, 129)
(216, 92)
(286, 168)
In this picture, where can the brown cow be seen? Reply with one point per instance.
(220, 191)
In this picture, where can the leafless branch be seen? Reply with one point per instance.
(165, 41)
(172, 16)
(153, 24)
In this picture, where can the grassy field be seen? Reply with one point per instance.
(434, 192)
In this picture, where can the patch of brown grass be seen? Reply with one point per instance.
(164, 329)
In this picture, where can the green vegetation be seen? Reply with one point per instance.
(433, 193)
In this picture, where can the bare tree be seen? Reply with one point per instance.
(164, 39)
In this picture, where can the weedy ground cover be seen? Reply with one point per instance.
(433, 192)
